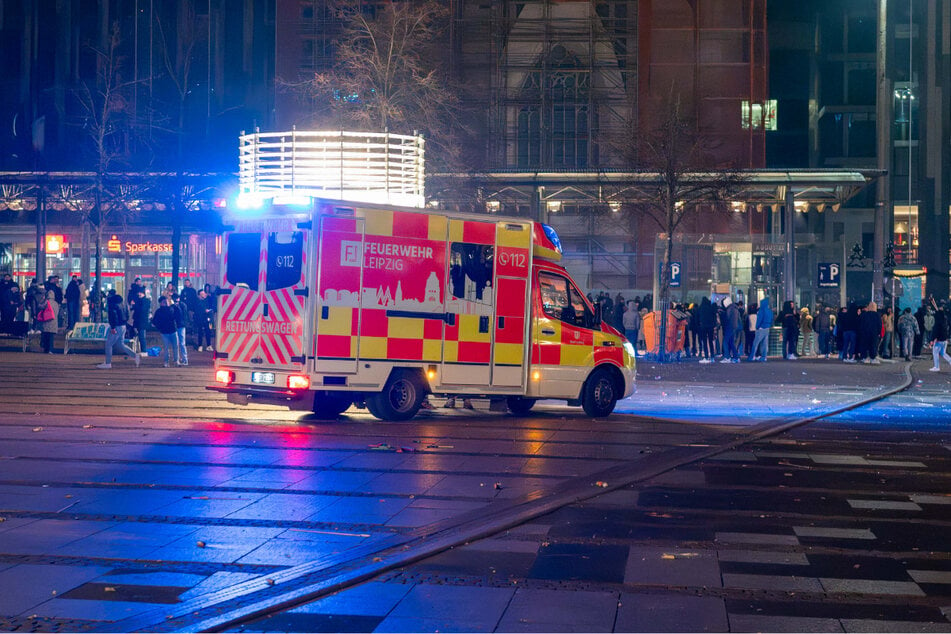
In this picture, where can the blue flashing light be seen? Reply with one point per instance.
(248, 201)
(293, 200)
(552, 235)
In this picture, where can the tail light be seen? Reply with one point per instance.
(298, 382)
(224, 376)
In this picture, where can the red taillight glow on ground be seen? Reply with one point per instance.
(298, 382)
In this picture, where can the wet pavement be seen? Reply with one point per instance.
(267, 483)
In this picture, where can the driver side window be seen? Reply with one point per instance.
(561, 300)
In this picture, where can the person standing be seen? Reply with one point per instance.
(632, 323)
(907, 331)
(204, 316)
(749, 328)
(732, 328)
(179, 309)
(707, 319)
(164, 322)
(49, 325)
(141, 310)
(118, 314)
(848, 325)
(790, 323)
(806, 323)
(764, 321)
(72, 296)
(11, 302)
(888, 324)
(870, 327)
(822, 324)
(939, 338)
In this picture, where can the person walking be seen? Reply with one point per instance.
(907, 331)
(180, 310)
(118, 314)
(632, 323)
(164, 321)
(764, 321)
(870, 327)
(48, 324)
(732, 329)
(72, 296)
(939, 338)
(789, 320)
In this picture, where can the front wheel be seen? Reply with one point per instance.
(330, 405)
(401, 398)
(599, 395)
(519, 405)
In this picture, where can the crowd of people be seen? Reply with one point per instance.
(856, 333)
(48, 309)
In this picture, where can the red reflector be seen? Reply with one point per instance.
(298, 382)
(224, 376)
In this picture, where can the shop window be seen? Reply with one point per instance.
(561, 300)
(244, 254)
(470, 271)
(284, 255)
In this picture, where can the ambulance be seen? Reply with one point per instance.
(331, 304)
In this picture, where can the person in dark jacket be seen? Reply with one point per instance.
(789, 320)
(919, 338)
(939, 338)
(11, 302)
(732, 328)
(72, 296)
(707, 320)
(870, 333)
(165, 322)
(848, 325)
(204, 318)
(180, 321)
(118, 320)
(141, 310)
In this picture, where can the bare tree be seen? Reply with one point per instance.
(388, 73)
(681, 178)
(178, 49)
(109, 121)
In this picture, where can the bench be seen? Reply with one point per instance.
(18, 330)
(84, 332)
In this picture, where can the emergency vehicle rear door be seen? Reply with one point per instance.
(281, 344)
(240, 299)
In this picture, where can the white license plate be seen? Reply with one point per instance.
(262, 377)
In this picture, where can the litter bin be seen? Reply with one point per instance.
(775, 346)
(676, 327)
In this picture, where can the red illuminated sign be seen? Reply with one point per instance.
(55, 243)
(115, 245)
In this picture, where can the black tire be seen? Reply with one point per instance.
(519, 405)
(600, 394)
(330, 405)
(401, 398)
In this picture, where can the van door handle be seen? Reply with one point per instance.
(548, 331)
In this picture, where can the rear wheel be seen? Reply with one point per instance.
(519, 405)
(401, 398)
(329, 405)
(600, 394)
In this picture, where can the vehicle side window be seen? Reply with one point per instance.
(561, 300)
(244, 255)
(471, 267)
(284, 251)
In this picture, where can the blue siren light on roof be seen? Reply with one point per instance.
(552, 235)
(248, 201)
(293, 200)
